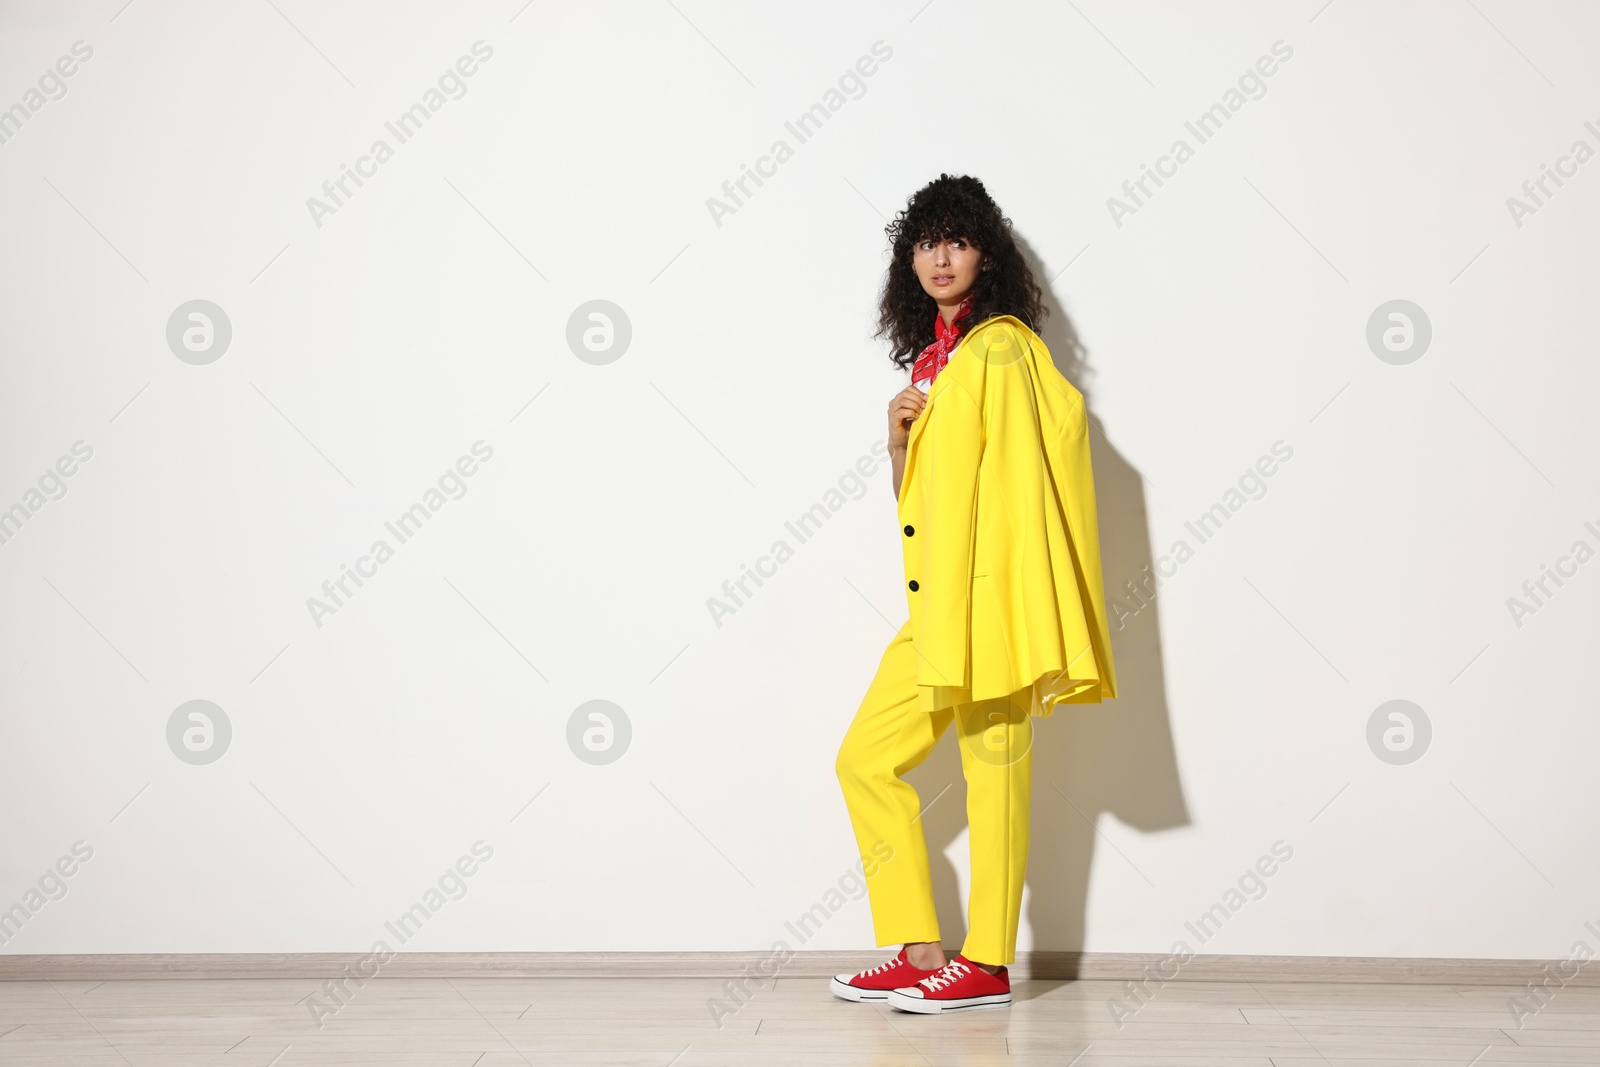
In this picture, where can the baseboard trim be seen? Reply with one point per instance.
(1061, 966)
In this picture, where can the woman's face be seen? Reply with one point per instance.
(946, 268)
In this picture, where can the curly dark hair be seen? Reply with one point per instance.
(948, 207)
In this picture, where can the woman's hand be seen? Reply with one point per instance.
(903, 409)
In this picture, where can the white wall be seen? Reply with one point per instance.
(430, 312)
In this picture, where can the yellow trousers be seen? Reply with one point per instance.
(888, 737)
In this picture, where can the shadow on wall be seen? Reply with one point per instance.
(1114, 758)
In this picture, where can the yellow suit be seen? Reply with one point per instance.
(1007, 619)
(1001, 545)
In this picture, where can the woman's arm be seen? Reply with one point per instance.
(903, 411)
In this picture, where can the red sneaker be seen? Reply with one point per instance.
(874, 983)
(958, 984)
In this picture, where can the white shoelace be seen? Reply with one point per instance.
(945, 975)
(880, 968)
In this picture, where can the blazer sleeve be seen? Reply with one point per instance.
(950, 452)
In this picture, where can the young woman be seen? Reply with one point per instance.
(995, 495)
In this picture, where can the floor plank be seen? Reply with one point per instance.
(504, 1022)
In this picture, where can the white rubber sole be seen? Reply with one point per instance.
(845, 991)
(924, 1006)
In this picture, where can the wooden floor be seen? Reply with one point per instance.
(497, 1022)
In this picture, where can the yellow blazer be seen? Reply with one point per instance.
(998, 528)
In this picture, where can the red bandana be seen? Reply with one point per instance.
(935, 356)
